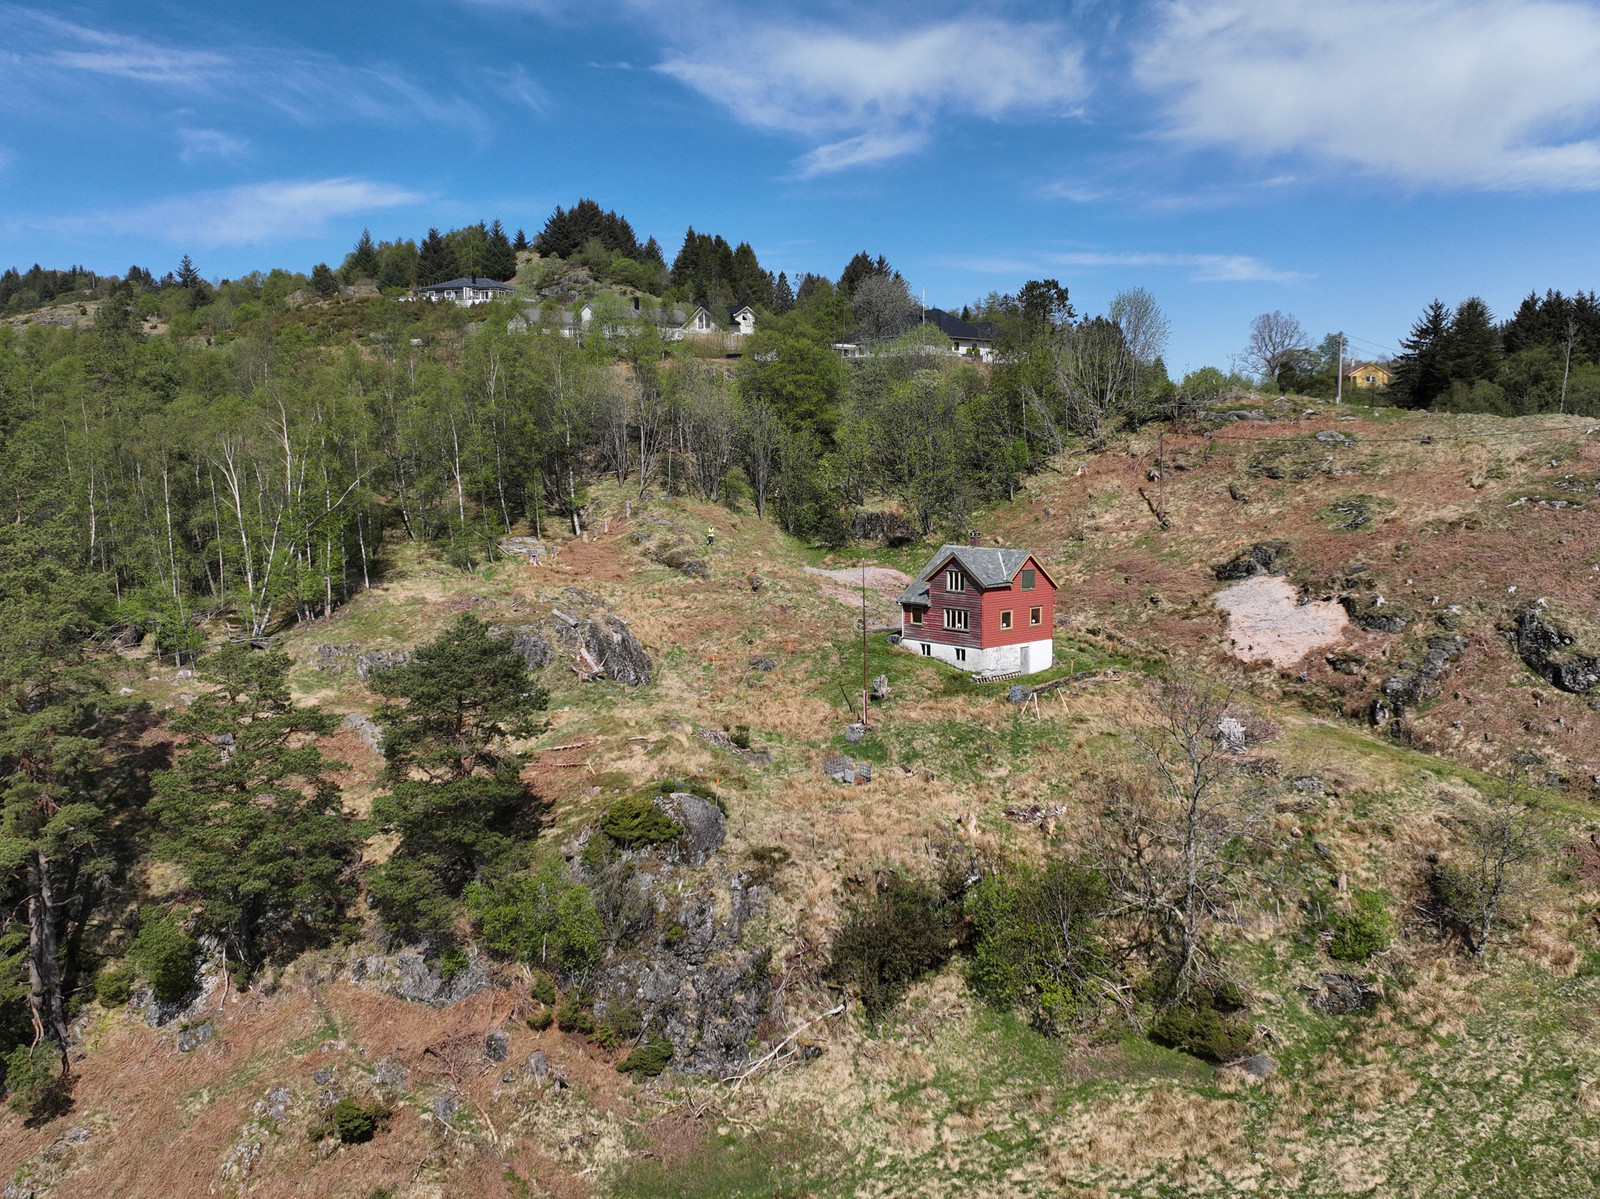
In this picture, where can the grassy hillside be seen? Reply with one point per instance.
(1470, 1076)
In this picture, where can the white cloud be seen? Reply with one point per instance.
(866, 98)
(45, 55)
(1204, 268)
(1201, 268)
(1499, 94)
(197, 144)
(259, 212)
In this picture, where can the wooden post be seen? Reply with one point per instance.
(864, 693)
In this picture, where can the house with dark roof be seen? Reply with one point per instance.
(984, 609)
(973, 338)
(466, 292)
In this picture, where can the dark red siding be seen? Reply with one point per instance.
(983, 608)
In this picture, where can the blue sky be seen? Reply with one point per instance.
(1345, 162)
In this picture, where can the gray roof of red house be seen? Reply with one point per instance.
(989, 565)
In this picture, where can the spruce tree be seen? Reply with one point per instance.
(499, 259)
(1419, 374)
(520, 243)
(782, 295)
(188, 276)
(436, 260)
(362, 262)
(250, 813)
(1472, 344)
(456, 799)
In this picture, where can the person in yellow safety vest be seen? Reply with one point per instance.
(711, 536)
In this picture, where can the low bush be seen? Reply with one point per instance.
(1366, 929)
(1036, 944)
(542, 1018)
(113, 988)
(33, 1076)
(542, 987)
(352, 1122)
(542, 917)
(891, 939)
(649, 1059)
(634, 821)
(166, 956)
(574, 1017)
(1207, 1026)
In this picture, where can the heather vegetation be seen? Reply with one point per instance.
(416, 731)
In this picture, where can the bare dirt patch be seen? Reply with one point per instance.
(1267, 622)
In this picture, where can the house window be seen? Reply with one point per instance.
(954, 580)
(1035, 615)
(961, 655)
(916, 615)
(956, 618)
(1029, 578)
(1005, 619)
(927, 650)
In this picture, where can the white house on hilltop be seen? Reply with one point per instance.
(466, 292)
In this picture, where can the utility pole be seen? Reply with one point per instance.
(1161, 478)
(865, 723)
(1338, 387)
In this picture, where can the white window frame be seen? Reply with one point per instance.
(961, 654)
(955, 580)
(957, 620)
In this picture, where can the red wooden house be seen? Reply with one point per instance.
(987, 610)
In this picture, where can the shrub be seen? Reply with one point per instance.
(166, 955)
(1035, 942)
(891, 939)
(542, 1019)
(541, 917)
(1367, 929)
(574, 1017)
(649, 1059)
(113, 987)
(1205, 1027)
(634, 821)
(355, 1123)
(740, 736)
(621, 1025)
(33, 1076)
(542, 987)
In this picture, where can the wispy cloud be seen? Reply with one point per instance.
(260, 212)
(197, 144)
(1200, 268)
(866, 98)
(48, 55)
(1495, 94)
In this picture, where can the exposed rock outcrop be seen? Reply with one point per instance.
(1262, 558)
(1547, 649)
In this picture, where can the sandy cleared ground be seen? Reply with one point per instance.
(1267, 622)
(845, 585)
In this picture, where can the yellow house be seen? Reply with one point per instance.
(1367, 374)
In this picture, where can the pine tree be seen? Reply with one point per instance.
(436, 261)
(520, 243)
(859, 268)
(651, 253)
(323, 281)
(782, 295)
(1419, 374)
(750, 284)
(188, 276)
(250, 813)
(456, 800)
(499, 259)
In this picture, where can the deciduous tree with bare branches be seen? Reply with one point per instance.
(1174, 840)
(1275, 338)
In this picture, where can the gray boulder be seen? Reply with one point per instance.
(704, 826)
(366, 731)
(421, 984)
(534, 649)
(496, 1048)
(611, 646)
(1547, 650)
(1262, 558)
(379, 660)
